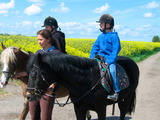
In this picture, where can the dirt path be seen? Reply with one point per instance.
(148, 98)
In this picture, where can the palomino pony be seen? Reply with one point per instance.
(81, 76)
(14, 61)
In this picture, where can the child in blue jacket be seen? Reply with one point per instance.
(108, 46)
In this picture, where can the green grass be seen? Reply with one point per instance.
(2, 91)
(142, 57)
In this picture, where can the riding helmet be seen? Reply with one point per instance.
(107, 18)
(50, 21)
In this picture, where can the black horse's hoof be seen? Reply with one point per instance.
(89, 118)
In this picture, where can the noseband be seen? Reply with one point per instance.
(36, 91)
(11, 74)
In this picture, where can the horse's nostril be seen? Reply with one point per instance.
(2, 83)
(6, 83)
(28, 98)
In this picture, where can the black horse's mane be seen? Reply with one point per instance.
(30, 61)
(65, 62)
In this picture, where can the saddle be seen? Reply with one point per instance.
(106, 79)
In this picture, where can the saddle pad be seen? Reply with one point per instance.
(122, 78)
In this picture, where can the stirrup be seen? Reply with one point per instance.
(113, 97)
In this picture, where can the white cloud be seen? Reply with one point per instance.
(144, 27)
(3, 11)
(124, 11)
(148, 15)
(7, 5)
(152, 5)
(117, 27)
(125, 31)
(101, 9)
(35, 0)
(72, 25)
(74, 29)
(4, 7)
(32, 10)
(61, 9)
(26, 23)
(128, 32)
(94, 25)
(70, 32)
(38, 2)
(37, 24)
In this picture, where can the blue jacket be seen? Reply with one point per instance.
(108, 46)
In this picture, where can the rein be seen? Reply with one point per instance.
(41, 74)
(66, 103)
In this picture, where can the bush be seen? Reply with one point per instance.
(156, 39)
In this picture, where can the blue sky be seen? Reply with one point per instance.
(135, 20)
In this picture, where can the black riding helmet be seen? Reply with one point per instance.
(49, 21)
(107, 18)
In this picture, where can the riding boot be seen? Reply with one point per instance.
(113, 96)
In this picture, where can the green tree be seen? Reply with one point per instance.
(156, 39)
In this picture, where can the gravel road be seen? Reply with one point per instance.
(147, 107)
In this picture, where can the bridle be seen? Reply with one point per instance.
(39, 70)
(36, 91)
(10, 74)
(60, 104)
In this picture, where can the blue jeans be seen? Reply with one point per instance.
(112, 69)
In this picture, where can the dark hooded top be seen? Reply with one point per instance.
(60, 37)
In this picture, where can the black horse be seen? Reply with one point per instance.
(81, 76)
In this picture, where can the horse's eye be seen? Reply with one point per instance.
(43, 72)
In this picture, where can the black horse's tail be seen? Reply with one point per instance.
(131, 99)
(133, 72)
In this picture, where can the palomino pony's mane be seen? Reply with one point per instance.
(8, 55)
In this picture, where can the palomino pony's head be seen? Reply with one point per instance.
(8, 63)
(39, 79)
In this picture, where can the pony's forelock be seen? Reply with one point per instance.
(8, 55)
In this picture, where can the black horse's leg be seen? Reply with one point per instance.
(102, 113)
(88, 115)
(80, 113)
(122, 107)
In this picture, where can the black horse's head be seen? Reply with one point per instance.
(40, 77)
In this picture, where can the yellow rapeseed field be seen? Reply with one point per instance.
(79, 47)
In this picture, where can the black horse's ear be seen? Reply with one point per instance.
(39, 58)
(3, 47)
(30, 53)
